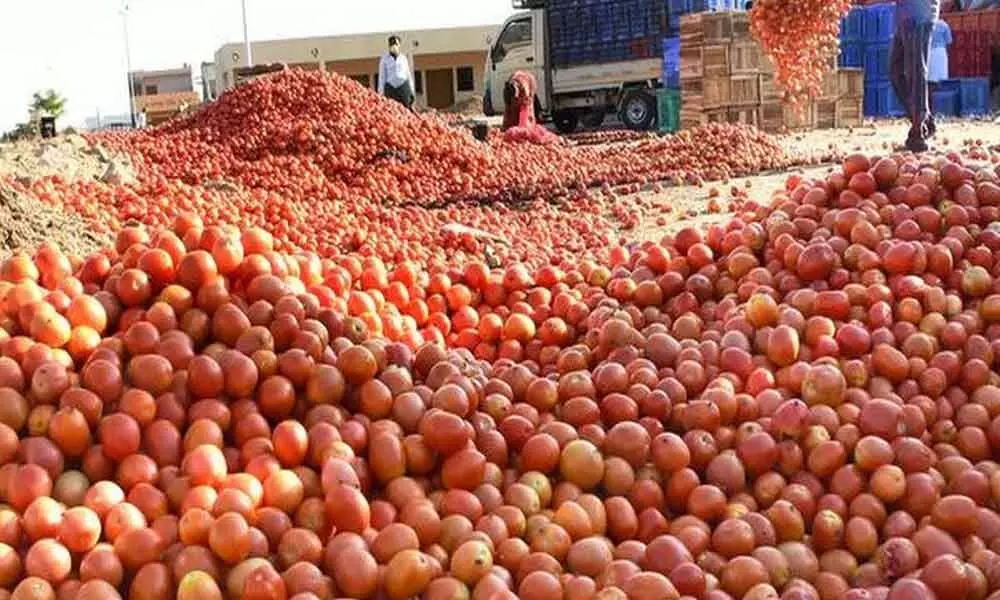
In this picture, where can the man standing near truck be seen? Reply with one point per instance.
(909, 58)
(394, 78)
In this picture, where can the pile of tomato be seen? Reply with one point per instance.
(278, 392)
(802, 402)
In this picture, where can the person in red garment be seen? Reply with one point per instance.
(519, 121)
(519, 101)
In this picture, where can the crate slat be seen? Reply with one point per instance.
(692, 62)
(745, 90)
(850, 112)
(718, 92)
(826, 114)
(745, 116)
(744, 58)
(715, 60)
(850, 83)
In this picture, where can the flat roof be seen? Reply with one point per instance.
(185, 70)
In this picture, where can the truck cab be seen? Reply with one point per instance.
(569, 93)
(519, 45)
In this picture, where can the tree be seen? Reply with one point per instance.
(49, 103)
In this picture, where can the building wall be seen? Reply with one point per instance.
(357, 55)
(172, 83)
(420, 64)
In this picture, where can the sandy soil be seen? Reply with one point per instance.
(26, 223)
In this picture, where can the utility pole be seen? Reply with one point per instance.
(246, 36)
(128, 63)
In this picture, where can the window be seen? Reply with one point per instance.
(466, 79)
(418, 82)
(362, 79)
(152, 90)
(375, 81)
(516, 35)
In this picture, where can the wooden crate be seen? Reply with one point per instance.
(744, 90)
(769, 90)
(718, 115)
(715, 60)
(692, 32)
(706, 28)
(826, 114)
(693, 93)
(744, 58)
(718, 91)
(692, 118)
(793, 121)
(745, 115)
(717, 27)
(849, 112)
(766, 64)
(692, 62)
(831, 85)
(772, 117)
(850, 83)
(741, 26)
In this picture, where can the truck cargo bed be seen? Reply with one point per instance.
(566, 80)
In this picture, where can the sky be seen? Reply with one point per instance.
(77, 47)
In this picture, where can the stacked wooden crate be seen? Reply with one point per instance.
(725, 77)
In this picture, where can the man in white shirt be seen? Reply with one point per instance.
(394, 78)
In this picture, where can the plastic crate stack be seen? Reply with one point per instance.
(865, 42)
(601, 31)
(975, 36)
(963, 97)
(671, 78)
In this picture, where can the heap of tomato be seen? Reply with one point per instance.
(801, 402)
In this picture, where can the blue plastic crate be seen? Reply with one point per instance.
(880, 22)
(719, 5)
(852, 27)
(877, 61)
(852, 55)
(951, 85)
(974, 96)
(870, 104)
(881, 101)
(944, 103)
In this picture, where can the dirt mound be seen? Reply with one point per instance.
(69, 157)
(26, 223)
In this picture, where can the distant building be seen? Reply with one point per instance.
(164, 93)
(100, 121)
(209, 85)
(448, 63)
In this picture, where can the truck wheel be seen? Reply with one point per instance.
(593, 119)
(638, 110)
(565, 121)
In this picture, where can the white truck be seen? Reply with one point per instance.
(570, 93)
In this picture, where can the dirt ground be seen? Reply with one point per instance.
(25, 222)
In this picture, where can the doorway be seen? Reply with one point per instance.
(440, 87)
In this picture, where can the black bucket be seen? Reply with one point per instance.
(47, 127)
(481, 131)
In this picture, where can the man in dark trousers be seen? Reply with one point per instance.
(394, 76)
(908, 59)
